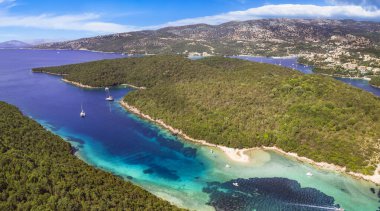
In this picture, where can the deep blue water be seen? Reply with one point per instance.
(119, 142)
(261, 193)
(290, 62)
(362, 84)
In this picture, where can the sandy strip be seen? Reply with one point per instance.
(92, 87)
(58, 74)
(79, 84)
(375, 178)
(240, 156)
(133, 86)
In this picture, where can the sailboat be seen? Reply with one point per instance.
(82, 113)
(109, 97)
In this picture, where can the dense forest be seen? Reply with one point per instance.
(375, 81)
(241, 104)
(39, 172)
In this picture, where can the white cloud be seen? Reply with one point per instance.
(286, 10)
(91, 22)
(83, 22)
(369, 4)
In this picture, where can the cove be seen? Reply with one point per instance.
(186, 174)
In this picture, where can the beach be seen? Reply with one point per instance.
(239, 155)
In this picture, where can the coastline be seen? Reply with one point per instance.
(63, 49)
(240, 156)
(92, 87)
(49, 73)
(133, 86)
(234, 154)
(344, 76)
(79, 84)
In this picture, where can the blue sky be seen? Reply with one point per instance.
(33, 20)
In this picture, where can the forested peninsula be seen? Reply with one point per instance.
(39, 172)
(242, 104)
(375, 81)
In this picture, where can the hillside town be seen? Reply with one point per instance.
(348, 56)
(341, 62)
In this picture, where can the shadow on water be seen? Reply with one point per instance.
(267, 194)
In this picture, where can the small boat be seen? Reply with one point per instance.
(109, 97)
(235, 184)
(212, 151)
(309, 174)
(82, 113)
(228, 166)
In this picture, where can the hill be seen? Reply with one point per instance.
(242, 104)
(14, 44)
(39, 172)
(267, 37)
(336, 47)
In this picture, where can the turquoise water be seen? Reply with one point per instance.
(186, 174)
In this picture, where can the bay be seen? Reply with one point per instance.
(186, 174)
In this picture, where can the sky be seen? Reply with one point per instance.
(36, 21)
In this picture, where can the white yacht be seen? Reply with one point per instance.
(109, 97)
(82, 113)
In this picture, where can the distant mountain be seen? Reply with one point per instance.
(14, 44)
(270, 37)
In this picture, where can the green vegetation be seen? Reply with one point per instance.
(375, 81)
(136, 71)
(243, 104)
(38, 172)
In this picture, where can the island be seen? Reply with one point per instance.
(240, 104)
(40, 172)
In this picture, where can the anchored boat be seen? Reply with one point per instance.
(82, 113)
(109, 97)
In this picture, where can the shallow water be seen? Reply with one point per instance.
(184, 173)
